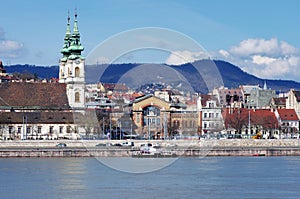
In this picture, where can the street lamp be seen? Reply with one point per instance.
(149, 122)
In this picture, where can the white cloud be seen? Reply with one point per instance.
(258, 59)
(265, 58)
(254, 46)
(9, 48)
(224, 53)
(287, 48)
(182, 57)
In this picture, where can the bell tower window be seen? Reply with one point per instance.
(77, 72)
(77, 97)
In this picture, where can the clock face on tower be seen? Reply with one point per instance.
(77, 61)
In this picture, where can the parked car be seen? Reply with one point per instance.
(61, 145)
(156, 145)
(100, 144)
(103, 144)
(128, 144)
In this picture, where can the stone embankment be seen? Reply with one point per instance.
(87, 148)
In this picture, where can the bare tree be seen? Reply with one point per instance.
(236, 119)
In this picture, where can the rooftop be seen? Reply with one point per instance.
(42, 95)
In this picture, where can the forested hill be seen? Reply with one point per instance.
(232, 75)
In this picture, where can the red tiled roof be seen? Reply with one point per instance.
(115, 87)
(205, 98)
(287, 114)
(23, 94)
(136, 95)
(261, 117)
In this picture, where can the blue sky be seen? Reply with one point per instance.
(262, 37)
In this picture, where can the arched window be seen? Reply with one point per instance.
(69, 71)
(176, 123)
(77, 97)
(77, 72)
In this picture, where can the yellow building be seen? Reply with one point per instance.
(155, 118)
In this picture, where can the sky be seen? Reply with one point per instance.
(261, 37)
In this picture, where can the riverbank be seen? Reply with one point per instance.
(87, 148)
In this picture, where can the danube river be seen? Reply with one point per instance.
(208, 177)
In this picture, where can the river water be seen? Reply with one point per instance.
(208, 177)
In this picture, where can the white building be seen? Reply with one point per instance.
(211, 113)
(293, 101)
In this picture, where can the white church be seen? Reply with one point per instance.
(36, 110)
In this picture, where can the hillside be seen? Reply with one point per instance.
(232, 75)
(43, 72)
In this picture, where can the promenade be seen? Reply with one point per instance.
(88, 148)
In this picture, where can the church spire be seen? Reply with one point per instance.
(68, 32)
(75, 30)
(75, 48)
(67, 41)
(265, 86)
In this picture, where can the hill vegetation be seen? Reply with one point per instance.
(232, 75)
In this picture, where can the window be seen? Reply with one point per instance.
(51, 129)
(205, 115)
(77, 72)
(61, 128)
(39, 130)
(176, 123)
(77, 97)
(68, 129)
(158, 121)
(28, 130)
(10, 129)
(191, 124)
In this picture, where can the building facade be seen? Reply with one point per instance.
(71, 67)
(293, 101)
(211, 114)
(256, 97)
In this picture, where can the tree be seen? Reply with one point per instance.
(236, 119)
(25, 75)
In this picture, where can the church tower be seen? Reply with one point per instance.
(71, 67)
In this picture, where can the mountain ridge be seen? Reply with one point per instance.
(232, 75)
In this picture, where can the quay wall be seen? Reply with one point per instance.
(86, 148)
(163, 143)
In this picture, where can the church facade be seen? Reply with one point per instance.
(71, 67)
(36, 110)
